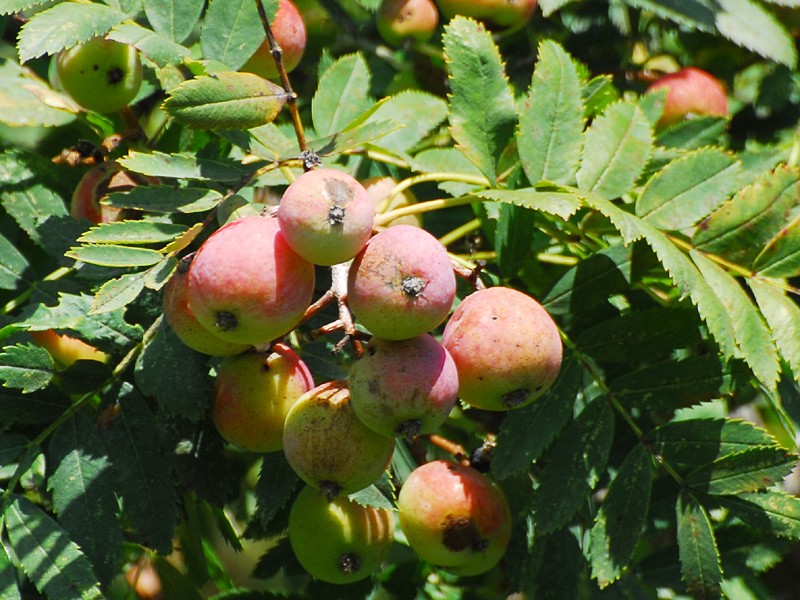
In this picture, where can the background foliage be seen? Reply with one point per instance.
(660, 463)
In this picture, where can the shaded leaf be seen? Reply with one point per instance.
(27, 368)
(750, 25)
(346, 79)
(781, 256)
(621, 519)
(51, 560)
(37, 407)
(692, 13)
(551, 121)
(13, 265)
(372, 496)
(573, 465)
(276, 484)
(746, 471)
(9, 589)
(482, 110)
(699, 556)
(225, 100)
(775, 512)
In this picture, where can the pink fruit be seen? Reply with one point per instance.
(504, 13)
(253, 392)
(400, 20)
(326, 216)
(454, 517)
(96, 184)
(380, 188)
(290, 33)
(404, 387)
(247, 285)
(328, 447)
(506, 347)
(181, 319)
(691, 91)
(402, 284)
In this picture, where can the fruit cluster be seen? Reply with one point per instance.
(251, 283)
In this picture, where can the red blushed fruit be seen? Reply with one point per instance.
(254, 392)
(246, 285)
(326, 216)
(504, 13)
(691, 91)
(181, 319)
(400, 20)
(454, 517)
(405, 387)
(506, 347)
(96, 184)
(290, 33)
(66, 349)
(402, 284)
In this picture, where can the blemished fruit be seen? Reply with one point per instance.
(690, 92)
(66, 349)
(400, 20)
(96, 184)
(101, 75)
(253, 392)
(290, 34)
(380, 188)
(404, 387)
(506, 347)
(454, 517)
(246, 285)
(328, 447)
(504, 13)
(326, 216)
(402, 283)
(338, 541)
(181, 319)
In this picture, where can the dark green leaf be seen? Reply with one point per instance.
(551, 121)
(347, 79)
(27, 368)
(700, 566)
(51, 560)
(482, 110)
(573, 466)
(276, 484)
(174, 19)
(182, 166)
(12, 265)
(562, 549)
(621, 519)
(746, 471)
(142, 477)
(165, 199)
(9, 589)
(527, 432)
(83, 494)
(114, 255)
(37, 407)
(781, 255)
(513, 238)
(775, 512)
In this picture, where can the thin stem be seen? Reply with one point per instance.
(423, 207)
(436, 176)
(459, 232)
(14, 303)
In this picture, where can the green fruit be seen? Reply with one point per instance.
(101, 75)
(505, 13)
(339, 541)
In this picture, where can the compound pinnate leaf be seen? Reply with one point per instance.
(575, 463)
(747, 471)
(783, 316)
(83, 494)
(226, 100)
(691, 13)
(51, 560)
(697, 549)
(551, 121)
(482, 110)
(26, 367)
(622, 517)
(276, 484)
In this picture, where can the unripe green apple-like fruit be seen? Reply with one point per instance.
(101, 75)
(99, 181)
(247, 285)
(184, 324)
(402, 283)
(506, 347)
(290, 34)
(504, 13)
(400, 20)
(404, 387)
(690, 92)
(338, 541)
(326, 216)
(253, 392)
(380, 188)
(328, 447)
(454, 517)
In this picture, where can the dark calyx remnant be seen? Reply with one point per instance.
(115, 75)
(227, 321)
(349, 563)
(515, 397)
(412, 285)
(330, 489)
(408, 429)
(461, 533)
(336, 215)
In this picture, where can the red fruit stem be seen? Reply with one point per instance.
(456, 450)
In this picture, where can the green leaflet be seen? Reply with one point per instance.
(347, 79)
(12, 265)
(166, 199)
(114, 255)
(26, 100)
(276, 484)
(175, 19)
(783, 317)
(751, 26)
(697, 548)
(561, 204)
(622, 517)
(117, 293)
(9, 589)
(773, 511)
(575, 463)
(132, 233)
(27, 368)
(418, 112)
(83, 494)
(232, 30)
(551, 121)
(617, 147)
(157, 48)
(482, 110)
(52, 561)
(182, 166)
(746, 471)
